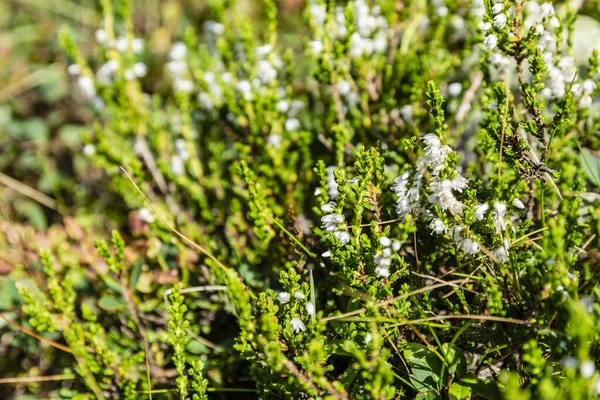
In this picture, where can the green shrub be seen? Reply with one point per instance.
(402, 205)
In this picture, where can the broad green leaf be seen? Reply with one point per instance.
(590, 164)
(33, 212)
(455, 358)
(111, 303)
(459, 392)
(425, 367)
(428, 395)
(9, 294)
(136, 271)
(482, 387)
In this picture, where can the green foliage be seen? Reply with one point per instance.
(403, 203)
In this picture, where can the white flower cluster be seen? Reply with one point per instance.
(584, 92)
(441, 193)
(296, 323)
(332, 185)
(177, 67)
(383, 259)
(333, 222)
(371, 34)
(540, 17)
(178, 160)
(121, 43)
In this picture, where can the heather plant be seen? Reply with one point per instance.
(404, 205)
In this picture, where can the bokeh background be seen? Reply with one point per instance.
(48, 189)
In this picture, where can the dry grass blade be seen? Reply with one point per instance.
(393, 299)
(33, 379)
(462, 316)
(35, 335)
(28, 191)
(181, 235)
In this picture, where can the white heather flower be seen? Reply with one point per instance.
(387, 252)
(443, 197)
(328, 207)
(553, 23)
(500, 21)
(245, 87)
(310, 309)
(274, 140)
(283, 297)
(74, 69)
(485, 26)
(469, 246)
(182, 149)
(395, 245)
(282, 106)
(454, 89)
(431, 140)
(183, 85)
(588, 86)
(459, 183)
(145, 215)
(406, 112)
(382, 261)
(519, 204)
(176, 68)
(569, 362)
(178, 51)
(213, 27)
(587, 369)
(89, 150)
(497, 8)
(480, 210)
(499, 213)
(121, 44)
(140, 69)
(177, 166)
(585, 101)
(86, 84)
(385, 241)
(343, 87)
(265, 71)
(501, 253)
(333, 191)
(205, 101)
(368, 338)
(263, 50)
(491, 41)
(331, 221)
(129, 75)
(547, 10)
(299, 296)
(292, 124)
(456, 233)
(327, 254)
(382, 272)
(316, 46)
(107, 71)
(597, 386)
(353, 181)
(380, 42)
(342, 236)
(101, 36)
(137, 45)
(319, 12)
(437, 226)
(297, 325)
